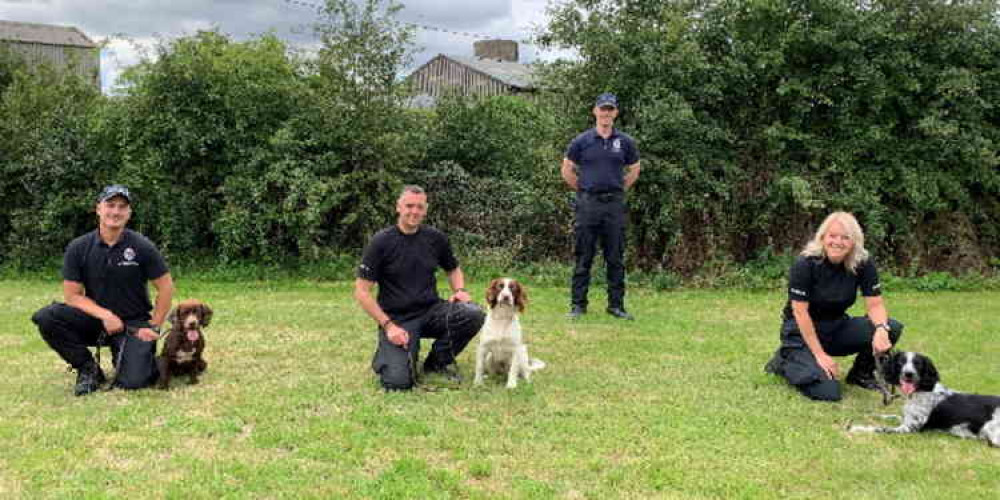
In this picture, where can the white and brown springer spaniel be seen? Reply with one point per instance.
(930, 405)
(501, 345)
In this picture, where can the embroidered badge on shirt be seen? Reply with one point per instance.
(129, 256)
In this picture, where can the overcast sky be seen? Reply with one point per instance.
(142, 21)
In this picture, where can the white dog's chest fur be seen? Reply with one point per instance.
(501, 349)
(501, 339)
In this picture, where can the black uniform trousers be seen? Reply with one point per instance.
(839, 337)
(599, 218)
(70, 331)
(452, 324)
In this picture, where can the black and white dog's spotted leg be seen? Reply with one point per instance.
(991, 430)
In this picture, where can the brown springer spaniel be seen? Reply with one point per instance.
(182, 354)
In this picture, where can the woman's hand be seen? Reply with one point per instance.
(880, 341)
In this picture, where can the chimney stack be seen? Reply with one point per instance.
(497, 50)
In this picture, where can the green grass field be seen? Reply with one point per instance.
(673, 405)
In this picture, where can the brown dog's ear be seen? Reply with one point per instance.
(520, 295)
(172, 316)
(491, 293)
(206, 314)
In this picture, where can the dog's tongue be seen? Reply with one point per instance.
(907, 387)
(192, 335)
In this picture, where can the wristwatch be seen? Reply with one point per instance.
(884, 326)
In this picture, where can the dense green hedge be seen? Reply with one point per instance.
(755, 119)
(758, 117)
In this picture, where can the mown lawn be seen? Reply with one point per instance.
(673, 405)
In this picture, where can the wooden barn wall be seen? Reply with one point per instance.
(438, 76)
(81, 60)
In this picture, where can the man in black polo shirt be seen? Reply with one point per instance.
(402, 260)
(105, 274)
(600, 165)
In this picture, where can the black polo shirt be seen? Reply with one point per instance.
(115, 277)
(404, 265)
(829, 288)
(602, 161)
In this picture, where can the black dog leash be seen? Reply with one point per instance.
(887, 390)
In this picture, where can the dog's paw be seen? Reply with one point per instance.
(861, 428)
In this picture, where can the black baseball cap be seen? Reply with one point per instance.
(112, 191)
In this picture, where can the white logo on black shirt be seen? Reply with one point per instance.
(798, 292)
(129, 256)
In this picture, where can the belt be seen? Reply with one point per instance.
(604, 197)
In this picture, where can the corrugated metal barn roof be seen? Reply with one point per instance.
(512, 73)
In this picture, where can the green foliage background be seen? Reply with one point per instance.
(755, 119)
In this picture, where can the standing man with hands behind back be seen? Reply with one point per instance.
(105, 274)
(600, 165)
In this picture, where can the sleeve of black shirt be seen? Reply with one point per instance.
(573, 150)
(446, 256)
(72, 269)
(631, 152)
(370, 261)
(800, 280)
(155, 265)
(868, 279)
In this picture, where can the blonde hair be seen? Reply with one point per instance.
(858, 253)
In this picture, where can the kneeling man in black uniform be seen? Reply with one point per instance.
(402, 260)
(105, 274)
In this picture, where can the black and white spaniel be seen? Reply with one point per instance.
(932, 406)
(501, 347)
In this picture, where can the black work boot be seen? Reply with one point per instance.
(620, 313)
(88, 379)
(862, 373)
(576, 311)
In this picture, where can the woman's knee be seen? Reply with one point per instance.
(895, 330)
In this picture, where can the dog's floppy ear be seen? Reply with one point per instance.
(520, 295)
(928, 374)
(891, 367)
(491, 293)
(206, 314)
